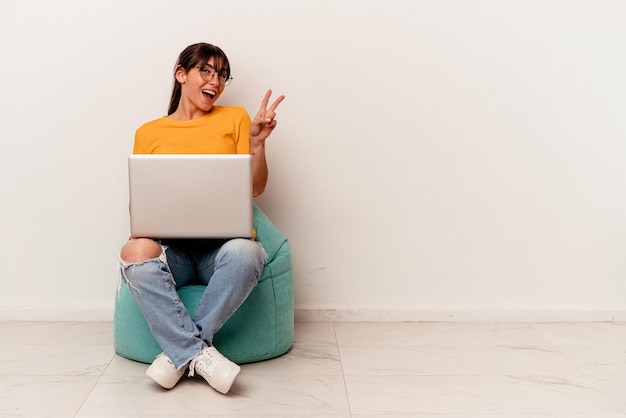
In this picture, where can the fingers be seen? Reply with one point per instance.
(276, 103)
(264, 123)
(266, 100)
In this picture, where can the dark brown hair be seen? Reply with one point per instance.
(197, 54)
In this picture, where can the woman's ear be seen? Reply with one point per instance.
(180, 74)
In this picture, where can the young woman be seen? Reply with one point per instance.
(154, 269)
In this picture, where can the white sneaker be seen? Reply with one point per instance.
(216, 369)
(163, 371)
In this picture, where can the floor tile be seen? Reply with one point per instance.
(54, 359)
(51, 333)
(454, 360)
(210, 415)
(475, 395)
(590, 333)
(120, 366)
(263, 394)
(614, 387)
(315, 333)
(540, 415)
(302, 360)
(431, 333)
(598, 360)
(44, 395)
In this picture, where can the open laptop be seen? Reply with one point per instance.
(190, 195)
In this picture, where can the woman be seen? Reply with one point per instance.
(154, 269)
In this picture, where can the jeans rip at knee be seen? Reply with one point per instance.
(141, 270)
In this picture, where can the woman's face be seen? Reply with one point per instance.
(200, 88)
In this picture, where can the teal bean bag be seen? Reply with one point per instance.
(262, 327)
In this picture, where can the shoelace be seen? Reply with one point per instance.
(207, 364)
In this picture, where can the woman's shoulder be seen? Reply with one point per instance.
(156, 123)
(230, 110)
(233, 114)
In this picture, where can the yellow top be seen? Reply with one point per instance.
(224, 130)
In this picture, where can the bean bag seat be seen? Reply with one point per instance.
(262, 328)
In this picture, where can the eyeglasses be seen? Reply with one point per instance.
(207, 73)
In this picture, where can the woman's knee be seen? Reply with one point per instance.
(243, 248)
(245, 252)
(140, 249)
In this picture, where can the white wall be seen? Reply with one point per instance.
(434, 159)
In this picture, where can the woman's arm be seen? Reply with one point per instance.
(262, 126)
(259, 167)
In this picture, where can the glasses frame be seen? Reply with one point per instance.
(224, 81)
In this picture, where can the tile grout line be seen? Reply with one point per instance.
(82, 404)
(343, 373)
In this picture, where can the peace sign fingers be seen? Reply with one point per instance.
(264, 122)
(274, 105)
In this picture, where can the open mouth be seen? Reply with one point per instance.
(208, 94)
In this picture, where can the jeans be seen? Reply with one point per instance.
(229, 269)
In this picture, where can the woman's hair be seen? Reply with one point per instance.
(197, 54)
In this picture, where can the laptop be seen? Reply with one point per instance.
(190, 195)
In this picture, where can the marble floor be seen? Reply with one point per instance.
(340, 370)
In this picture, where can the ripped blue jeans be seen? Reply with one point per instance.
(229, 269)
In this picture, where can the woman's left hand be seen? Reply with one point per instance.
(263, 123)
